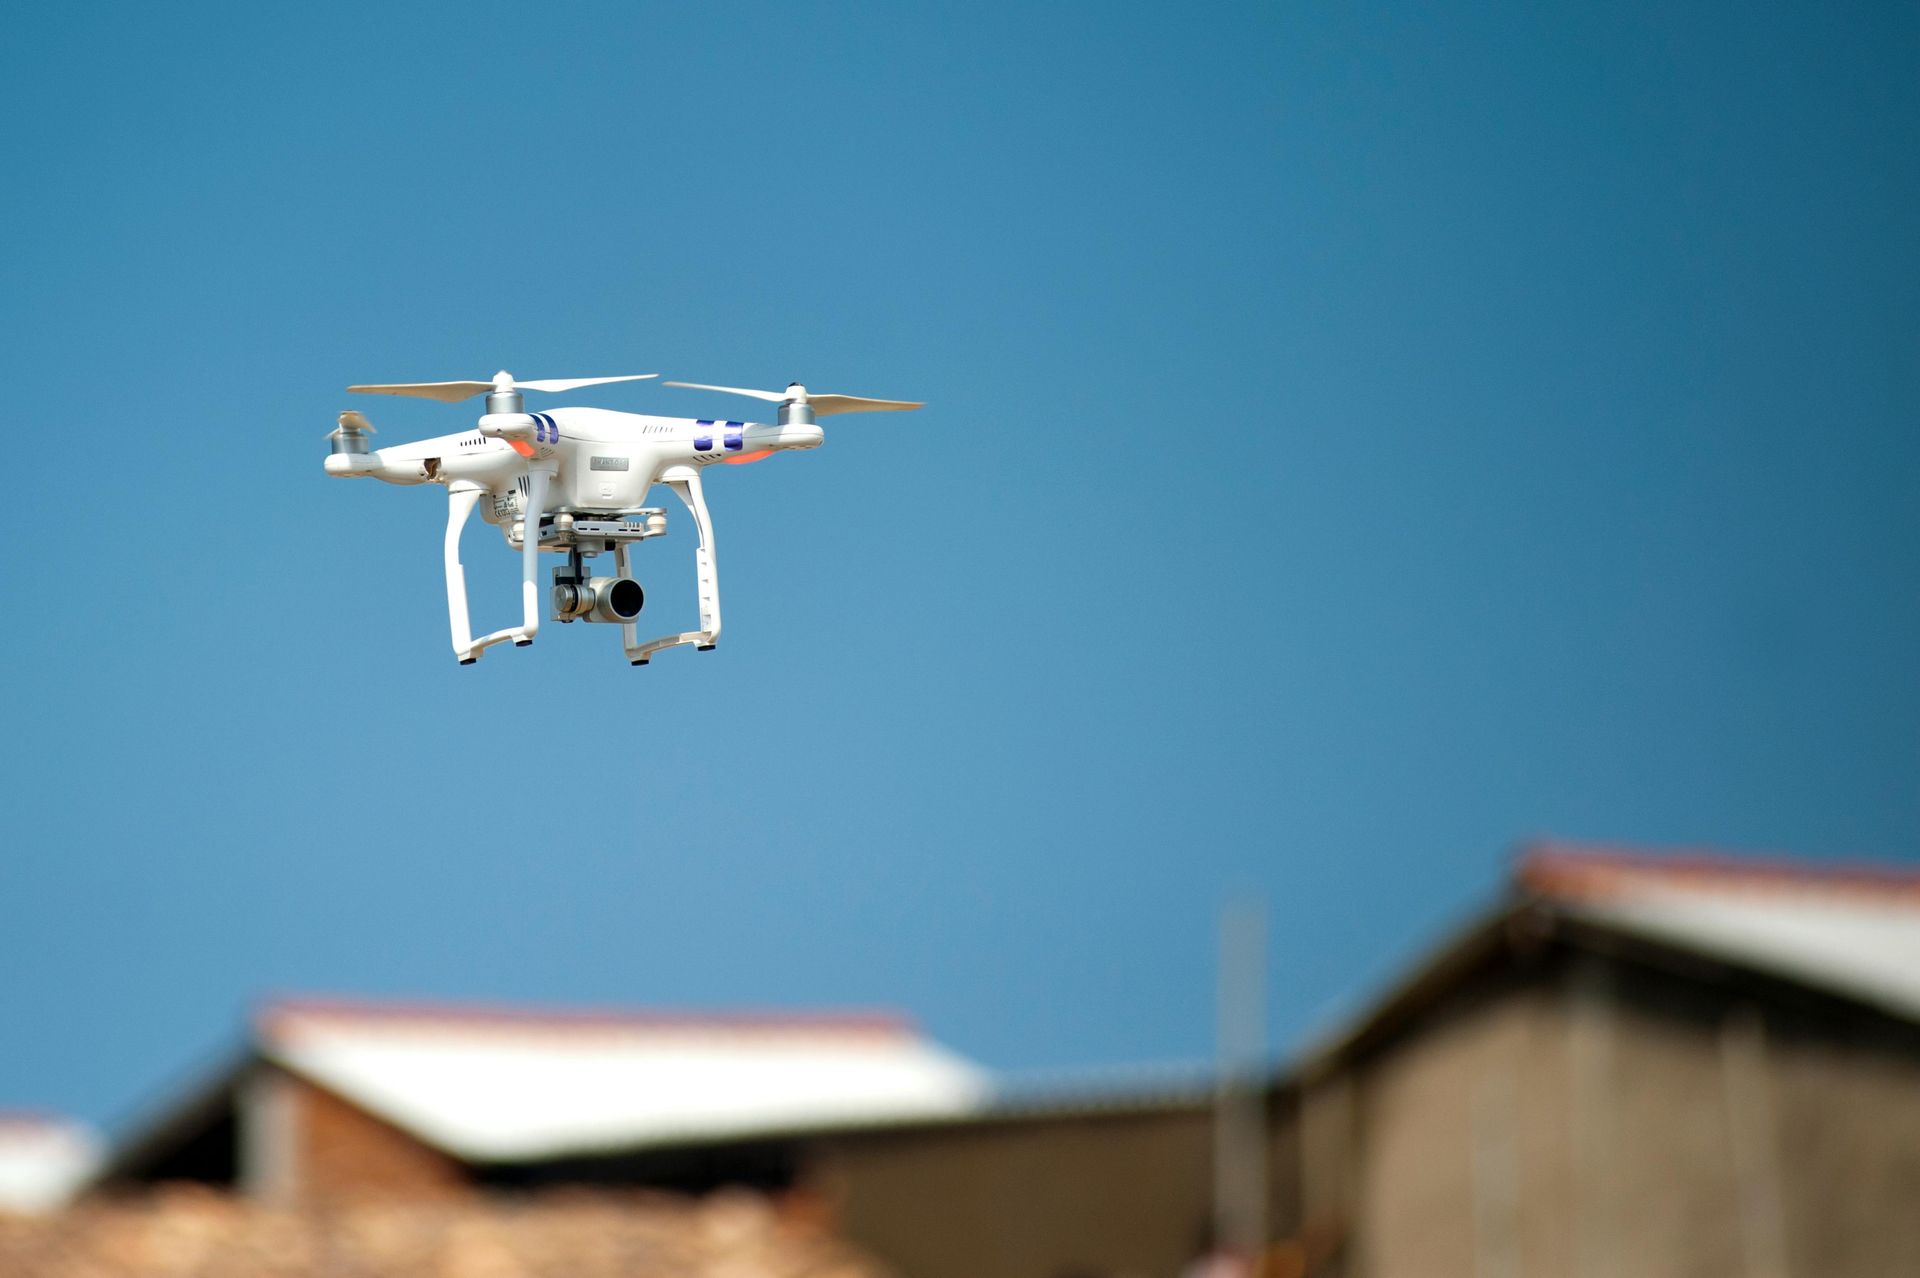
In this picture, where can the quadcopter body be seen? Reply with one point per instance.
(574, 481)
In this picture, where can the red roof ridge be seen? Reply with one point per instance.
(276, 1014)
(1561, 868)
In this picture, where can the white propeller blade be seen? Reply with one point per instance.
(822, 405)
(453, 392)
(577, 382)
(772, 397)
(352, 420)
(445, 392)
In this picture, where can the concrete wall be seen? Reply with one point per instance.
(1843, 1109)
(1040, 1197)
(1588, 1117)
(1559, 1112)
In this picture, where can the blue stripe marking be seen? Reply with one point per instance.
(734, 431)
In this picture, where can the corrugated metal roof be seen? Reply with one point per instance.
(1850, 929)
(495, 1085)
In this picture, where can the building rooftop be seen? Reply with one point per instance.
(492, 1084)
(1846, 928)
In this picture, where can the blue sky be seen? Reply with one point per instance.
(1358, 438)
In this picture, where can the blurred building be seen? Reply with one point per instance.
(1640, 1064)
(44, 1159)
(1635, 1064)
(338, 1099)
(193, 1232)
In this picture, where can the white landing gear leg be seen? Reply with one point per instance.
(685, 481)
(462, 497)
(530, 559)
(623, 565)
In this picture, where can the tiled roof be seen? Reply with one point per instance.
(190, 1233)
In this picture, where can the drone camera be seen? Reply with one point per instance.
(609, 599)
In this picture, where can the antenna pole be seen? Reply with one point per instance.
(1240, 1123)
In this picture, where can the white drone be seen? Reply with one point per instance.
(575, 481)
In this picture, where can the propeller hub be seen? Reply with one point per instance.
(350, 436)
(504, 398)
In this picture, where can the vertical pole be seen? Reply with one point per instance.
(1240, 1127)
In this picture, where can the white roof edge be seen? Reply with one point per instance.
(525, 1104)
(1875, 961)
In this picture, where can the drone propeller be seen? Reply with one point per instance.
(503, 383)
(350, 438)
(797, 395)
(351, 421)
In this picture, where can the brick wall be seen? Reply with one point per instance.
(301, 1143)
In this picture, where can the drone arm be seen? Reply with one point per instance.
(685, 482)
